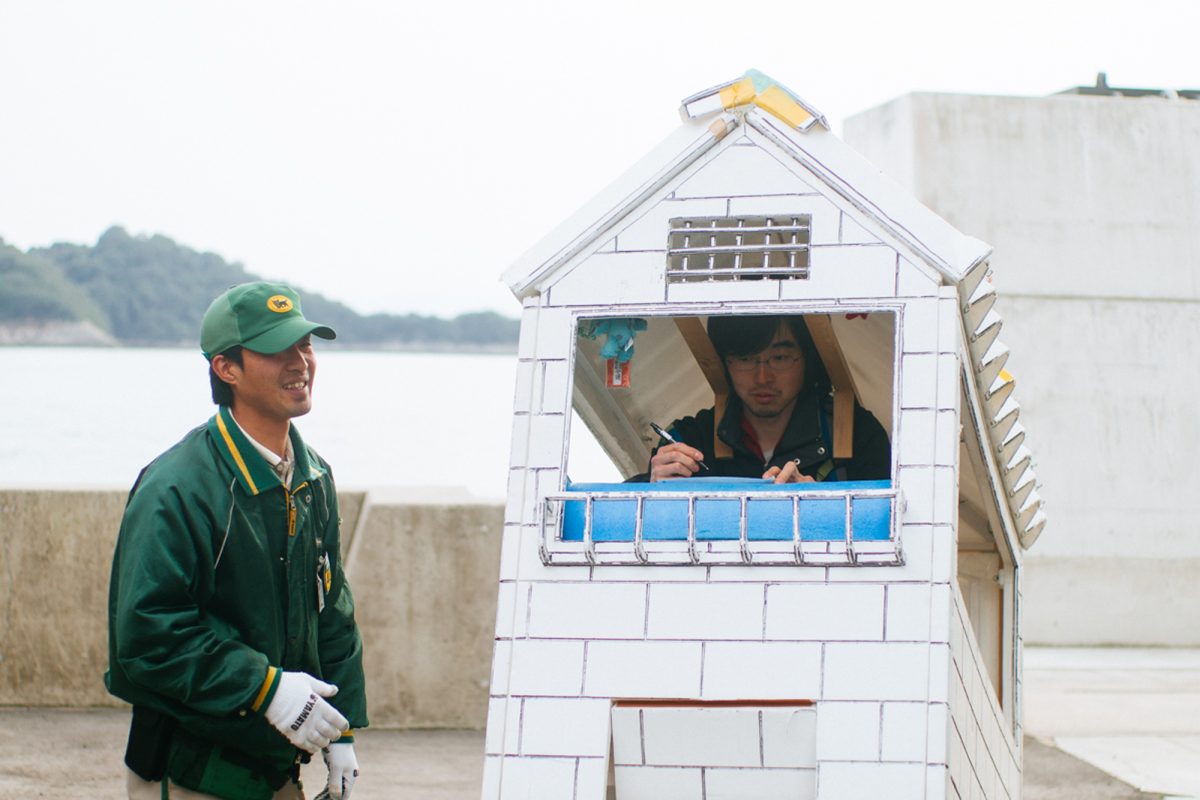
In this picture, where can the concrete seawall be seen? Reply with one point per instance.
(423, 565)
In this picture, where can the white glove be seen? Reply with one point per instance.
(343, 769)
(300, 713)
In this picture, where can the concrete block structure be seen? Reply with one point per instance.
(427, 618)
(1091, 201)
(695, 639)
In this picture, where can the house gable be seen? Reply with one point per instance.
(868, 240)
(746, 179)
(752, 175)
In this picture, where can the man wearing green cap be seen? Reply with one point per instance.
(231, 625)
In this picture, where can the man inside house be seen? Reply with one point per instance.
(231, 625)
(778, 421)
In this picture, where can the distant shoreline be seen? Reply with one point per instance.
(85, 334)
(414, 347)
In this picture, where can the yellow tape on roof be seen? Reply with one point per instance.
(776, 101)
(737, 94)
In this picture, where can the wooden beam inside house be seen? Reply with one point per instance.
(693, 333)
(820, 327)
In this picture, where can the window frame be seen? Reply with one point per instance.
(554, 550)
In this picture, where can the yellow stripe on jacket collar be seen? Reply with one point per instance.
(252, 470)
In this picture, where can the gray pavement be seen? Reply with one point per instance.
(1051, 774)
(1101, 724)
(68, 754)
(1131, 712)
(76, 755)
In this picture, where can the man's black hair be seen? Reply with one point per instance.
(747, 335)
(222, 392)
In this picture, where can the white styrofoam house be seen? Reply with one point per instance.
(694, 639)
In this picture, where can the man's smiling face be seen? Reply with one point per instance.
(276, 386)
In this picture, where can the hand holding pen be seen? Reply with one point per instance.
(674, 459)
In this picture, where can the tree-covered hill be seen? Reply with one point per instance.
(32, 288)
(153, 291)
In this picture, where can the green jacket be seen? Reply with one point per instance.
(215, 581)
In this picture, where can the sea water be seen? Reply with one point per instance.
(77, 417)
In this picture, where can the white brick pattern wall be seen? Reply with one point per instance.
(983, 757)
(901, 707)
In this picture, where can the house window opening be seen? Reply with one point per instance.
(730, 513)
(738, 248)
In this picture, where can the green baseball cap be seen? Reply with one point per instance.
(260, 316)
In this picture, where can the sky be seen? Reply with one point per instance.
(399, 157)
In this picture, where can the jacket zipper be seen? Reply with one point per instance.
(291, 507)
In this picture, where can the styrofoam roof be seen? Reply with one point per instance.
(607, 208)
(846, 173)
(865, 186)
(1014, 482)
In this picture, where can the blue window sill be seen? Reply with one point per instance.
(822, 511)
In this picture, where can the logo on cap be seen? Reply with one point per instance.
(280, 304)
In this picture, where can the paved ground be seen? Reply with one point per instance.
(1134, 713)
(76, 755)
(1051, 774)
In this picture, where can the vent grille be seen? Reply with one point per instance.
(738, 248)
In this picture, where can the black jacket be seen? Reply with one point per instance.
(807, 438)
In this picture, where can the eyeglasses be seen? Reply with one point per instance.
(779, 362)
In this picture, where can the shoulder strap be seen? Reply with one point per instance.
(828, 467)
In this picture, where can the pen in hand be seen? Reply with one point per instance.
(668, 437)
